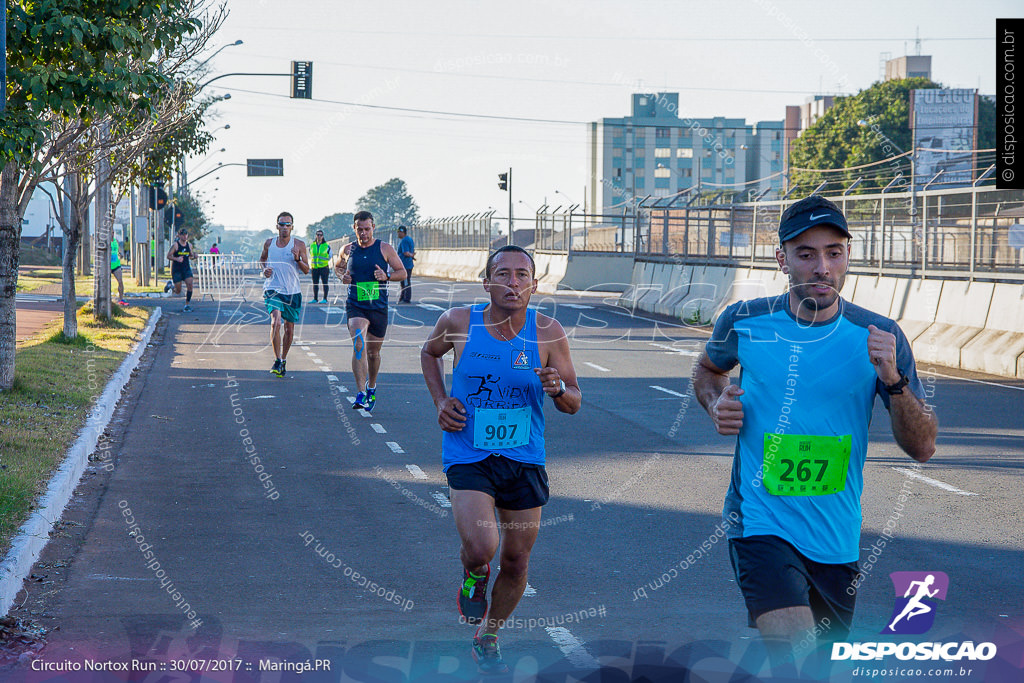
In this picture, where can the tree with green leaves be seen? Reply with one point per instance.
(855, 130)
(335, 226)
(390, 203)
(72, 64)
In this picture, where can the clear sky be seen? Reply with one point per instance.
(570, 61)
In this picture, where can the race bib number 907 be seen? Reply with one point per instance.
(805, 465)
(501, 427)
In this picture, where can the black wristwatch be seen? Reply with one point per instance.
(897, 388)
(561, 389)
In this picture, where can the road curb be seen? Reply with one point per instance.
(35, 532)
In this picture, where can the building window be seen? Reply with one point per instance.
(688, 172)
(662, 132)
(684, 153)
(618, 173)
(662, 153)
(638, 151)
(639, 172)
(643, 101)
(778, 135)
(662, 172)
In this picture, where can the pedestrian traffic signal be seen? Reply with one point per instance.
(173, 216)
(503, 181)
(157, 196)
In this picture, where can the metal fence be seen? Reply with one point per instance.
(469, 231)
(967, 229)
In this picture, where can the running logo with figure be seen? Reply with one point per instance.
(916, 595)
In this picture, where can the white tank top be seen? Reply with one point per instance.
(285, 279)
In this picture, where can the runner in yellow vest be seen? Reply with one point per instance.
(319, 261)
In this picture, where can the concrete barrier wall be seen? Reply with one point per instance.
(975, 326)
(598, 272)
(999, 348)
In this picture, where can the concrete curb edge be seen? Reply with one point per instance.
(35, 532)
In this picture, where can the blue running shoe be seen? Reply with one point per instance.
(487, 655)
(360, 402)
(371, 398)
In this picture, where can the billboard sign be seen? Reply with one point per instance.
(945, 124)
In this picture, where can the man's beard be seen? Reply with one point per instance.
(812, 303)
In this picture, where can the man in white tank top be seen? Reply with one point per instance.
(283, 259)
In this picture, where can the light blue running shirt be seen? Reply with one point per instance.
(801, 378)
(502, 394)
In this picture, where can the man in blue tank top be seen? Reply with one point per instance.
(507, 357)
(363, 266)
(812, 364)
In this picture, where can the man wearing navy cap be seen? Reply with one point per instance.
(812, 364)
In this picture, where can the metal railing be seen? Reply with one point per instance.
(967, 230)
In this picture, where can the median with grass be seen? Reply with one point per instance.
(57, 380)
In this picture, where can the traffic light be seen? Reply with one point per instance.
(302, 80)
(503, 181)
(173, 216)
(157, 196)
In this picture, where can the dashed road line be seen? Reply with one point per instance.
(596, 366)
(529, 591)
(332, 378)
(414, 470)
(934, 482)
(441, 499)
(430, 307)
(667, 391)
(674, 349)
(317, 360)
(393, 445)
(572, 648)
(379, 428)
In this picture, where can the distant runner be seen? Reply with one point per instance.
(283, 258)
(115, 271)
(363, 266)
(493, 447)
(181, 254)
(812, 364)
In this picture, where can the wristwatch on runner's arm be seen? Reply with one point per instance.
(897, 388)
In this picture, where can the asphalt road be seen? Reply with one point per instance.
(637, 478)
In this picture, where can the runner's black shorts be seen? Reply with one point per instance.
(513, 485)
(180, 275)
(378, 318)
(772, 575)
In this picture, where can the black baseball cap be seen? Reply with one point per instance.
(808, 213)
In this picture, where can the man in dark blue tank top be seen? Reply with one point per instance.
(363, 266)
(507, 357)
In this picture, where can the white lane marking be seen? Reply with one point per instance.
(253, 398)
(572, 648)
(580, 306)
(332, 310)
(332, 378)
(379, 428)
(351, 399)
(934, 482)
(393, 445)
(366, 414)
(968, 379)
(414, 470)
(317, 361)
(310, 354)
(667, 391)
(304, 348)
(441, 499)
(530, 591)
(430, 307)
(596, 366)
(326, 368)
(675, 349)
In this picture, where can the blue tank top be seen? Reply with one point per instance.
(502, 394)
(365, 291)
